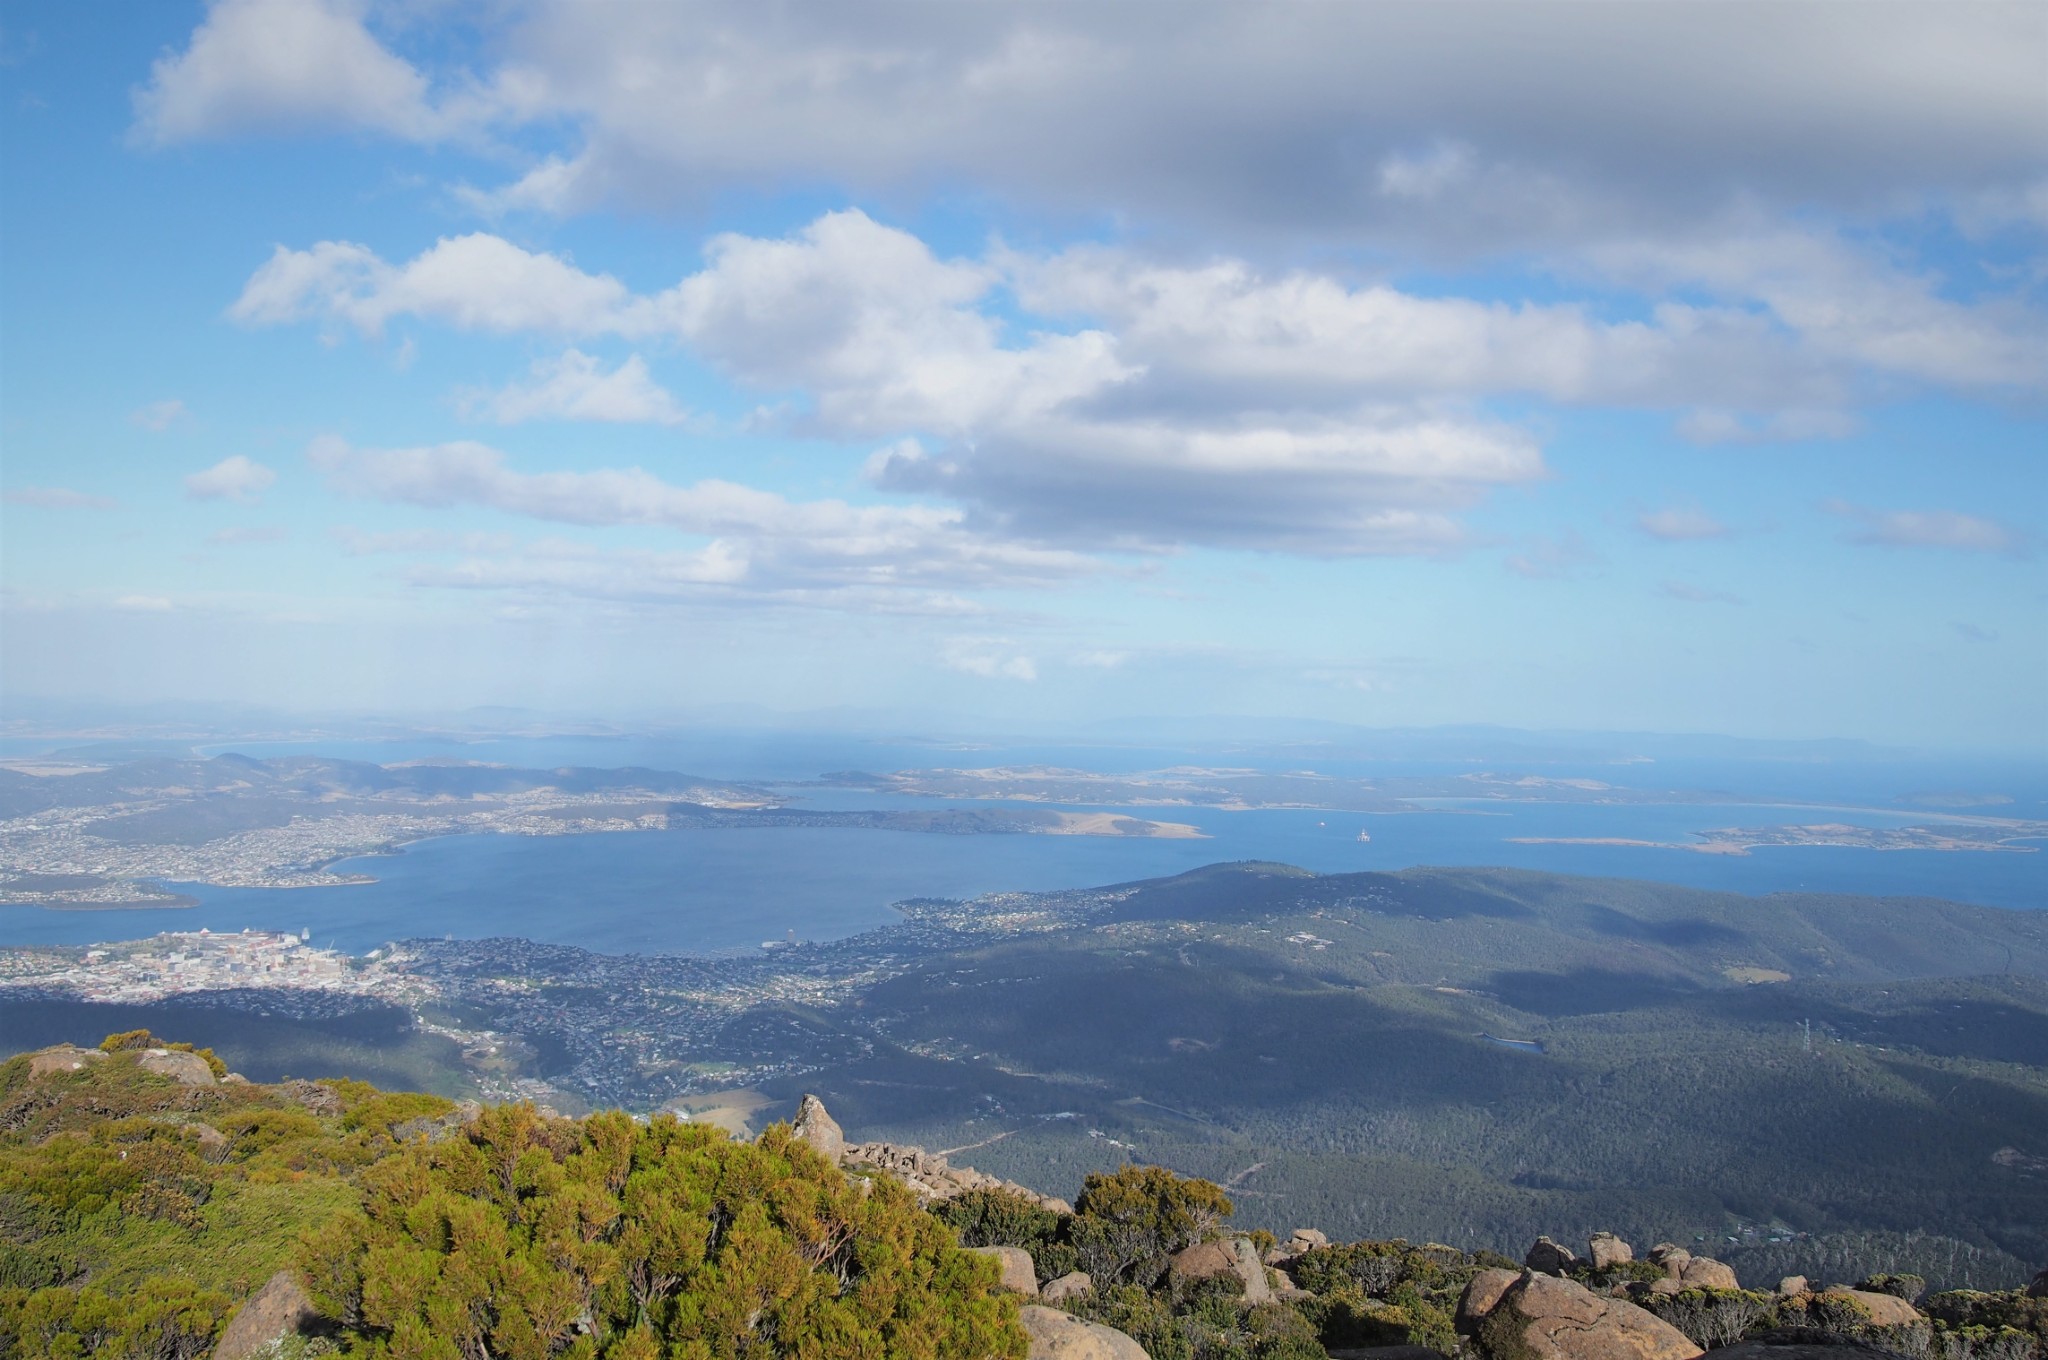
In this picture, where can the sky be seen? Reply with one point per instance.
(1656, 367)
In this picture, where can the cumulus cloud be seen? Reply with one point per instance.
(1680, 524)
(269, 65)
(761, 539)
(235, 478)
(56, 498)
(159, 416)
(1947, 529)
(1097, 396)
(575, 386)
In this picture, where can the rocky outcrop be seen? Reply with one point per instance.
(1704, 1272)
(1481, 1296)
(1231, 1258)
(61, 1058)
(187, 1069)
(1885, 1310)
(928, 1174)
(276, 1311)
(1071, 1285)
(1019, 1271)
(1542, 1317)
(818, 1128)
(1299, 1243)
(1549, 1258)
(2039, 1288)
(1794, 1284)
(1606, 1251)
(1671, 1256)
(1058, 1336)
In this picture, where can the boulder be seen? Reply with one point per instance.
(1071, 1285)
(276, 1311)
(1543, 1317)
(61, 1058)
(1059, 1336)
(1671, 1256)
(1704, 1272)
(1308, 1239)
(1667, 1285)
(819, 1129)
(1549, 1258)
(1233, 1258)
(437, 1128)
(1606, 1251)
(2039, 1288)
(213, 1144)
(1886, 1310)
(1020, 1272)
(187, 1069)
(1481, 1295)
(1793, 1285)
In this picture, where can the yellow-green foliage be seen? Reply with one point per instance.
(1127, 1222)
(528, 1237)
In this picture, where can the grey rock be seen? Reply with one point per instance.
(1020, 1272)
(1545, 1318)
(1549, 1258)
(818, 1128)
(187, 1069)
(1606, 1251)
(1071, 1285)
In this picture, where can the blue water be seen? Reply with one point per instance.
(714, 891)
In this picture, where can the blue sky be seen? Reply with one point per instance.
(1675, 368)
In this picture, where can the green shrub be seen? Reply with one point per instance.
(1128, 1222)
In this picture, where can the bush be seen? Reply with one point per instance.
(526, 1237)
(1710, 1317)
(1128, 1222)
(1004, 1218)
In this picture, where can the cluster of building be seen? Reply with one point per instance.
(198, 961)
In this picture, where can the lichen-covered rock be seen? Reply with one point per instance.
(1308, 1239)
(1704, 1272)
(1060, 1336)
(1481, 1296)
(1886, 1310)
(931, 1178)
(1071, 1285)
(276, 1311)
(187, 1069)
(1549, 1258)
(1606, 1251)
(818, 1128)
(1020, 1272)
(62, 1058)
(311, 1097)
(1543, 1317)
(1793, 1285)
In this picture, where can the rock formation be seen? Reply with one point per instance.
(819, 1129)
(1071, 1285)
(1020, 1272)
(62, 1058)
(1704, 1272)
(928, 1174)
(1059, 1336)
(1606, 1251)
(1549, 1258)
(1542, 1317)
(1230, 1258)
(1885, 1310)
(276, 1311)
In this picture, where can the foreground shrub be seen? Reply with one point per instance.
(527, 1238)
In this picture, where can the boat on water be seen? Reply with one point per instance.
(1364, 838)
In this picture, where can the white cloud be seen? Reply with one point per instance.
(235, 478)
(989, 659)
(143, 604)
(159, 416)
(576, 387)
(1680, 524)
(56, 498)
(1949, 529)
(769, 542)
(271, 65)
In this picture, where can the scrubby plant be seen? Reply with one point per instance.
(1129, 1222)
(1710, 1317)
(1005, 1218)
(528, 1238)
